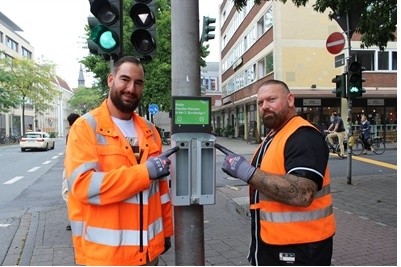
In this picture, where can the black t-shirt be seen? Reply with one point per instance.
(305, 154)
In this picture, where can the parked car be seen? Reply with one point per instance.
(36, 141)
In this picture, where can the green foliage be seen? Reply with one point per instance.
(85, 99)
(24, 82)
(377, 23)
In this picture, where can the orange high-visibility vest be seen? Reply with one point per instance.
(118, 215)
(282, 224)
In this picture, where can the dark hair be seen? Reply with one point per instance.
(334, 114)
(124, 59)
(283, 84)
(72, 118)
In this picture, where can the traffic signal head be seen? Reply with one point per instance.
(207, 29)
(340, 80)
(355, 80)
(143, 38)
(106, 28)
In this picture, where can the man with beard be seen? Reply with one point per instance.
(291, 205)
(118, 199)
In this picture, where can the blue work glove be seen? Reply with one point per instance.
(159, 166)
(236, 165)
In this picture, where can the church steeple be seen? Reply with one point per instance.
(81, 79)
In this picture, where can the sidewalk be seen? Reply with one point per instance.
(366, 216)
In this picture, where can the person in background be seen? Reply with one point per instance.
(291, 205)
(337, 130)
(118, 198)
(365, 134)
(64, 188)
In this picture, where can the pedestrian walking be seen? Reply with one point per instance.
(64, 187)
(118, 199)
(292, 219)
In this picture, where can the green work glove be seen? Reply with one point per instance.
(159, 166)
(236, 165)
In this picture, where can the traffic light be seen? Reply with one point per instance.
(340, 90)
(143, 38)
(106, 28)
(207, 28)
(355, 80)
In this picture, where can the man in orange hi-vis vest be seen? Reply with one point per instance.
(291, 204)
(118, 192)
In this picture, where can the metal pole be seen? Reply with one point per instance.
(349, 126)
(185, 72)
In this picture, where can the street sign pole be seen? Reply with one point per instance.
(185, 74)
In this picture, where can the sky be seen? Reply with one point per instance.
(55, 28)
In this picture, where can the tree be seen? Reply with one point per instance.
(377, 23)
(28, 83)
(85, 99)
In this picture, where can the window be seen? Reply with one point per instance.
(1, 37)
(26, 53)
(375, 60)
(12, 44)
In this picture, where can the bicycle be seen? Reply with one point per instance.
(377, 143)
(335, 148)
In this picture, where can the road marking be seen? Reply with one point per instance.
(11, 181)
(376, 162)
(47, 162)
(34, 169)
(4, 224)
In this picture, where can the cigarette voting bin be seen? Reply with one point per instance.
(193, 166)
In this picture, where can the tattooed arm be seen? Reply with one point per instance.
(288, 189)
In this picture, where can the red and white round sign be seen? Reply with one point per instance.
(335, 43)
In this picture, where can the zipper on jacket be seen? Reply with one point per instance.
(140, 222)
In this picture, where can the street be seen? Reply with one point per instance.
(33, 216)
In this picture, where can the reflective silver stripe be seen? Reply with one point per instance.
(321, 193)
(77, 228)
(95, 187)
(306, 169)
(100, 139)
(117, 238)
(87, 166)
(303, 216)
(146, 194)
(165, 198)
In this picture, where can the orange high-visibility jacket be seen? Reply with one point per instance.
(284, 224)
(118, 215)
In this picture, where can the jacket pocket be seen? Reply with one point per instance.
(111, 157)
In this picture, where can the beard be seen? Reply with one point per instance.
(275, 120)
(120, 104)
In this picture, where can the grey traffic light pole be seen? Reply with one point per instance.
(349, 105)
(185, 74)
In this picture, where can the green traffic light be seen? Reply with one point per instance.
(104, 38)
(107, 41)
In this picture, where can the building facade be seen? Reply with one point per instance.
(52, 120)
(280, 41)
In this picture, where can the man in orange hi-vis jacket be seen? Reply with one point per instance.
(118, 199)
(292, 219)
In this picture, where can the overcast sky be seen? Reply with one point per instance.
(59, 37)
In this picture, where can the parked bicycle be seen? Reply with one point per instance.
(376, 143)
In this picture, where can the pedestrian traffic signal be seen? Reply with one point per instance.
(106, 28)
(355, 80)
(143, 37)
(207, 29)
(340, 90)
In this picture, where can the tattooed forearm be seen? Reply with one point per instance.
(288, 189)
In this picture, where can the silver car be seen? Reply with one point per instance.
(37, 141)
